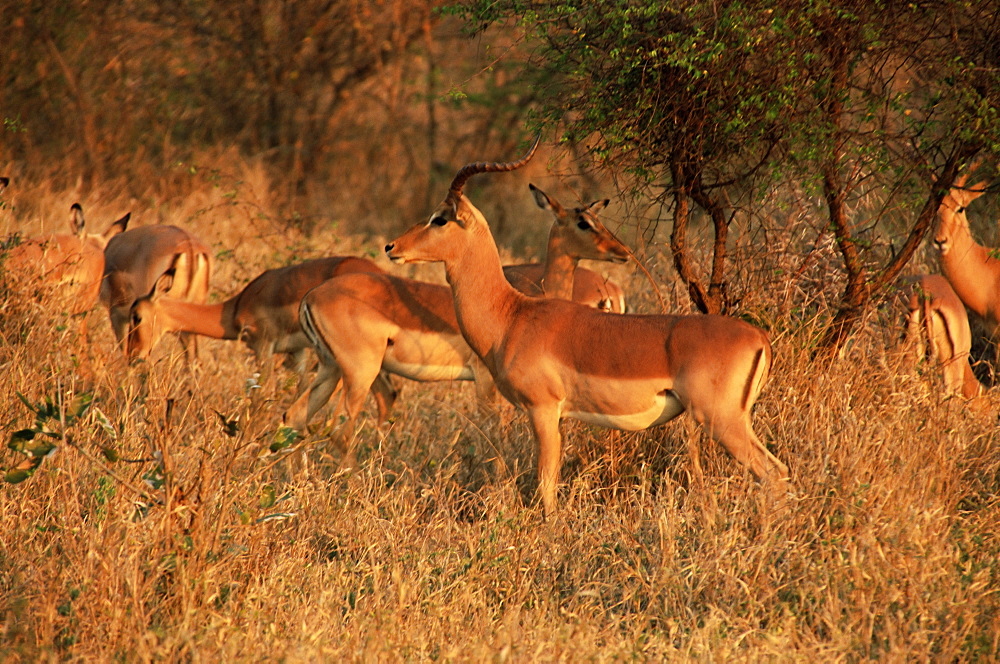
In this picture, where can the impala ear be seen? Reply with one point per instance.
(117, 227)
(978, 189)
(597, 206)
(541, 198)
(162, 286)
(543, 201)
(76, 220)
(452, 211)
(968, 194)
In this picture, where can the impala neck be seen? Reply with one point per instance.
(484, 299)
(209, 320)
(969, 267)
(560, 268)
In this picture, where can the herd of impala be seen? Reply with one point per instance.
(552, 338)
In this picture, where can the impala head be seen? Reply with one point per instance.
(951, 215)
(145, 324)
(579, 232)
(443, 236)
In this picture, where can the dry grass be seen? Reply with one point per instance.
(435, 550)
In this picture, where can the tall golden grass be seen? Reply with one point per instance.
(165, 528)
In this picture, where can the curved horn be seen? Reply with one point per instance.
(469, 170)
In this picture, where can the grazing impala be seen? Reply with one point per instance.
(938, 327)
(361, 323)
(136, 259)
(558, 359)
(971, 269)
(265, 315)
(69, 265)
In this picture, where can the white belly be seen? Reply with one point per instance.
(428, 356)
(665, 407)
(427, 372)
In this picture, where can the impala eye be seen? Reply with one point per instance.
(585, 225)
(439, 221)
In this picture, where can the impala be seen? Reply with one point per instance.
(363, 323)
(574, 235)
(265, 315)
(70, 266)
(136, 259)
(938, 327)
(971, 269)
(558, 359)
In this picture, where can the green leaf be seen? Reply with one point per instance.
(79, 405)
(32, 407)
(18, 438)
(155, 478)
(17, 475)
(23, 470)
(267, 497)
(40, 449)
(284, 437)
(105, 424)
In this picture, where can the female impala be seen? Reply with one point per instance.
(938, 327)
(572, 237)
(363, 323)
(70, 266)
(136, 259)
(558, 359)
(265, 315)
(971, 269)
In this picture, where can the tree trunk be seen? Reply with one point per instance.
(718, 297)
(679, 246)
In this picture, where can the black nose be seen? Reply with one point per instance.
(389, 247)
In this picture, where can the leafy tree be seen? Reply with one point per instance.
(111, 79)
(873, 105)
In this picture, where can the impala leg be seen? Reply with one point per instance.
(359, 379)
(971, 387)
(310, 402)
(488, 400)
(954, 375)
(950, 347)
(545, 425)
(915, 334)
(264, 354)
(385, 394)
(738, 438)
(486, 389)
(296, 361)
(694, 453)
(83, 327)
(119, 326)
(189, 342)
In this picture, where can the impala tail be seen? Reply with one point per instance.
(201, 275)
(314, 337)
(758, 375)
(192, 272)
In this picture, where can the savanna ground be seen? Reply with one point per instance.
(165, 527)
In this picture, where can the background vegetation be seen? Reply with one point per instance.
(166, 526)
